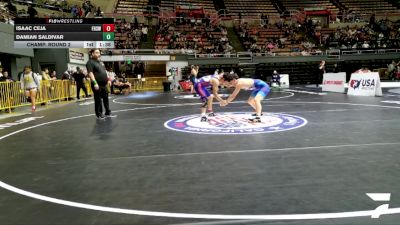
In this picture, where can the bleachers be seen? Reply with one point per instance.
(188, 35)
(208, 5)
(301, 4)
(368, 6)
(322, 34)
(131, 6)
(127, 36)
(251, 7)
(270, 39)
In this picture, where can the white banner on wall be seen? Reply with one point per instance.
(176, 67)
(78, 56)
(334, 82)
(284, 80)
(174, 72)
(365, 84)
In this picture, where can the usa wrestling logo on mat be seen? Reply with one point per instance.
(197, 97)
(235, 123)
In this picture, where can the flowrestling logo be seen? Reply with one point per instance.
(363, 84)
(235, 123)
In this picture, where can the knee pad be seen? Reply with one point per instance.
(204, 104)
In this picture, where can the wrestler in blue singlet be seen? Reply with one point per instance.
(260, 88)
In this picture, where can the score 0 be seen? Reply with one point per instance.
(108, 27)
(108, 32)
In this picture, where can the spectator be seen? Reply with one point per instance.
(193, 77)
(20, 75)
(53, 75)
(12, 9)
(135, 22)
(46, 85)
(45, 74)
(144, 33)
(372, 21)
(139, 70)
(202, 38)
(320, 72)
(87, 7)
(392, 69)
(80, 12)
(112, 78)
(6, 77)
(32, 12)
(31, 85)
(122, 83)
(336, 68)
(67, 75)
(80, 83)
(365, 45)
(276, 78)
(99, 13)
(74, 11)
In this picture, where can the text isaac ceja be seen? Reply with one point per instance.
(30, 28)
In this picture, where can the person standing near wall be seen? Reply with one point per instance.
(144, 33)
(79, 80)
(193, 77)
(46, 86)
(320, 72)
(276, 79)
(99, 80)
(31, 85)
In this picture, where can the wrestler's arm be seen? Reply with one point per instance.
(215, 84)
(234, 93)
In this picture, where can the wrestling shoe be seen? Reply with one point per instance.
(100, 117)
(110, 116)
(211, 114)
(203, 119)
(255, 115)
(255, 120)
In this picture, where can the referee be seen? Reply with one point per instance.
(99, 81)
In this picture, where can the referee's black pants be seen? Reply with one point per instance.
(100, 94)
(80, 86)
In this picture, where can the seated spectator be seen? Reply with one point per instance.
(12, 9)
(193, 36)
(122, 83)
(365, 45)
(32, 12)
(99, 13)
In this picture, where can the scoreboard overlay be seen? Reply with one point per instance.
(64, 33)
